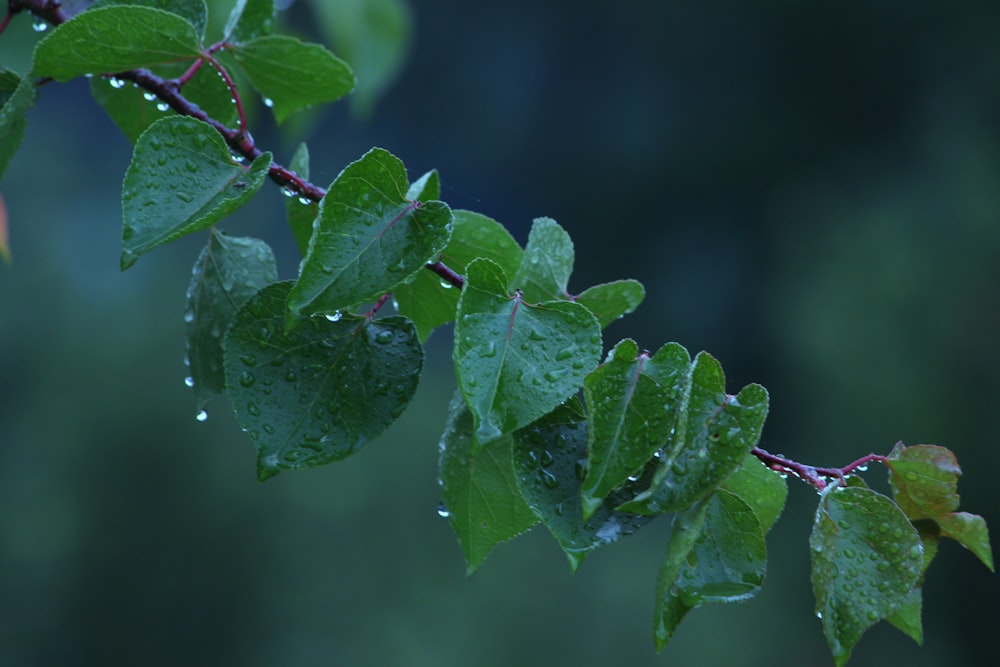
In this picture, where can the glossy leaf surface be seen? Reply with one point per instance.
(713, 433)
(17, 96)
(249, 19)
(193, 11)
(611, 301)
(181, 179)
(716, 554)
(866, 561)
(431, 302)
(516, 361)
(114, 39)
(547, 264)
(229, 270)
(368, 238)
(301, 213)
(320, 392)
(292, 74)
(761, 488)
(549, 458)
(479, 491)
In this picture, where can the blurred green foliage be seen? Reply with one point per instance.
(808, 192)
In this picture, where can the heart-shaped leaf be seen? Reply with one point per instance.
(320, 392)
(516, 361)
(368, 238)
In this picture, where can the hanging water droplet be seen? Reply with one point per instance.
(236, 157)
(334, 316)
(148, 96)
(305, 201)
(287, 191)
(268, 102)
(189, 316)
(201, 416)
(445, 284)
(39, 25)
(443, 510)
(116, 83)
(189, 381)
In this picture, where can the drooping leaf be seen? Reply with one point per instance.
(114, 39)
(716, 554)
(629, 402)
(292, 74)
(181, 179)
(249, 19)
(866, 560)
(970, 531)
(547, 263)
(924, 480)
(713, 433)
(761, 488)
(228, 272)
(610, 301)
(301, 213)
(480, 493)
(373, 36)
(427, 300)
(516, 361)
(368, 237)
(194, 11)
(321, 391)
(549, 457)
(17, 96)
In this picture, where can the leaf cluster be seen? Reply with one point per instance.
(544, 428)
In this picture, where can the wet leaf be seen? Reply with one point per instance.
(301, 214)
(181, 179)
(970, 531)
(549, 458)
(866, 560)
(228, 272)
(516, 361)
(479, 490)
(17, 96)
(368, 238)
(547, 263)
(924, 479)
(611, 301)
(761, 488)
(249, 19)
(322, 391)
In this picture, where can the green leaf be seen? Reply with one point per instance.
(301, 215)
(368, 237)
(114, 39)
(716, 554)
(970, 531)
(611, 301)
(425, 188)
(907, 617)
(194, 11)
(866, 560)
(480, 493)
(291, 74)
(320, 392)
(924, 480)
(547, 264)
(761, 488)
(427, 300)
(373, 36)
(516, 361)
(17, 96)
(228, 272)
(126, 107)
(548, 457)
(249, 19)
(713, 433)
(181, 179)
(630, 412)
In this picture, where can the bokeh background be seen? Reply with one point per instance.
(811, 192)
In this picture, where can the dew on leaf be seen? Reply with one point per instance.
(549, 480)
(334, 316)
(564, 354)
(383, 337)
(248, 359)
(201, 416)
(253, 409)
(247, 379)
(189, 381)
(268, 102)
(443, 510)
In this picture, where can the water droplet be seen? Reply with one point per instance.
(162, 106)
(287, 191)
(549, 480)
(564, 354)
(546, 458)
(201, 416)
(819, 615)
(116, 83)
(290, 376)
(189, 381)
(247, 379)
(490, 351)
(443, 510)
(148, 96)
(536, 335)
(383, 337)
(268, 102)
(253, 409)
(334, 316)
(248, 359)
(848, 553)
(38, 25)
(914, 552)
(305, 201)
